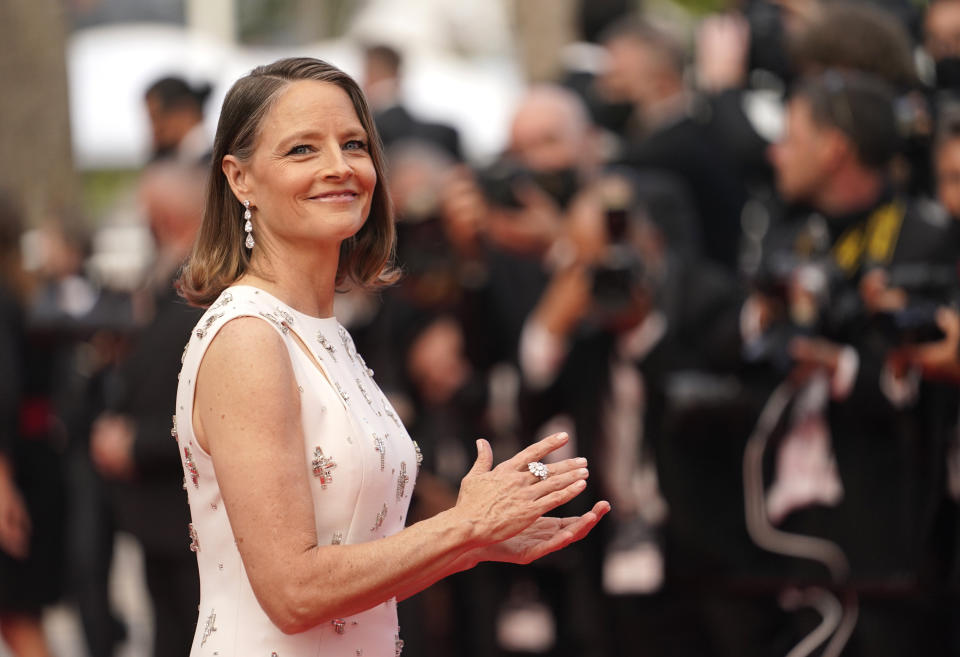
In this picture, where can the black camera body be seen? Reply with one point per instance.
(501, 181)
(620, 274)
(915, 324)
(928, 287)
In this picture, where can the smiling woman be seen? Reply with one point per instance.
(297, 468)
(311, 180)
(246, 129)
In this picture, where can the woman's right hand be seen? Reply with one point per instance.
(500, 502)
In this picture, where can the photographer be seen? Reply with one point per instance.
(849, 236)
(646, 65)
(940, 359)
(553, 152)
(633, 335)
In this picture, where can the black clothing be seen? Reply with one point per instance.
(33, 446)
(688, 149)
(153, 506)
(395, 123)
(889, 456)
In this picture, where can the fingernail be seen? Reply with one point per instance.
(562, 436)
(580, 461)
(583, 472)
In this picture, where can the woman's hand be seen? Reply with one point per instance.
(544, 536)
(502, 502)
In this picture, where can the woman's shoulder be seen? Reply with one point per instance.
(237, 343)
(241, 318)
(235, 301)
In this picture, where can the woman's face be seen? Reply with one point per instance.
(310, 177)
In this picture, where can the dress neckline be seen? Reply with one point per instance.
(304, 317)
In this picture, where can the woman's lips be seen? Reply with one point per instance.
(336, 197)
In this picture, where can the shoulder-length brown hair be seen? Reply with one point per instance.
(219, 257)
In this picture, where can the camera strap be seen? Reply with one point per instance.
(873, 240)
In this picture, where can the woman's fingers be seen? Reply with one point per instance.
(537, 451)
(552, 500)
(571, 530)
(566, 465)
(575, 528)
(484, 457)
(582, 525)
(560, 480)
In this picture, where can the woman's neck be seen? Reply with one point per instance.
(306, 283)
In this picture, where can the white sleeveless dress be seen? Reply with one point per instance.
(362, 466)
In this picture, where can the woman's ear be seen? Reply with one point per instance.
(237, 176)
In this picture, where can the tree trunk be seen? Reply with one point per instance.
(543, 28)
(36, 164)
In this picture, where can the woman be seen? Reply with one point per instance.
(298, 471)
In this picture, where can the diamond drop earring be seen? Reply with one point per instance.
(248, 226)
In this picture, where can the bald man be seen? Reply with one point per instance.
(551, 130)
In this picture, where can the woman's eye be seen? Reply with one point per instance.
(356, 145)
(301, 149)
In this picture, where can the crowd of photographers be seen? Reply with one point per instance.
(725, 262)
(730, 271)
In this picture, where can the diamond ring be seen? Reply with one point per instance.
(538, 469)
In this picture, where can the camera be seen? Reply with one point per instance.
(620, 273)
(501, 180)
(914, 324)
(928, 287)
(808, 299)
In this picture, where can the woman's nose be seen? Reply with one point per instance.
(334, 165)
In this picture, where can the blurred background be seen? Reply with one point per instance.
(716, 241)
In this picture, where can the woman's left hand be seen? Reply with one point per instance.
(544, 536)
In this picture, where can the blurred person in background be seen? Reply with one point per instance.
(747, 60)
(427, 346)
(175, 110)
(876, 435)
(131, 443)
(872, 39)
(383, 85)
(633, 317)
(941, 46)
(552, 153)
(940, 359)
(31, 491)
(646, 66)
(941, 43)
(857, 37)
(582, 64)
(85, 326)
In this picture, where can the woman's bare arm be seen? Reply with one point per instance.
(247, 416)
